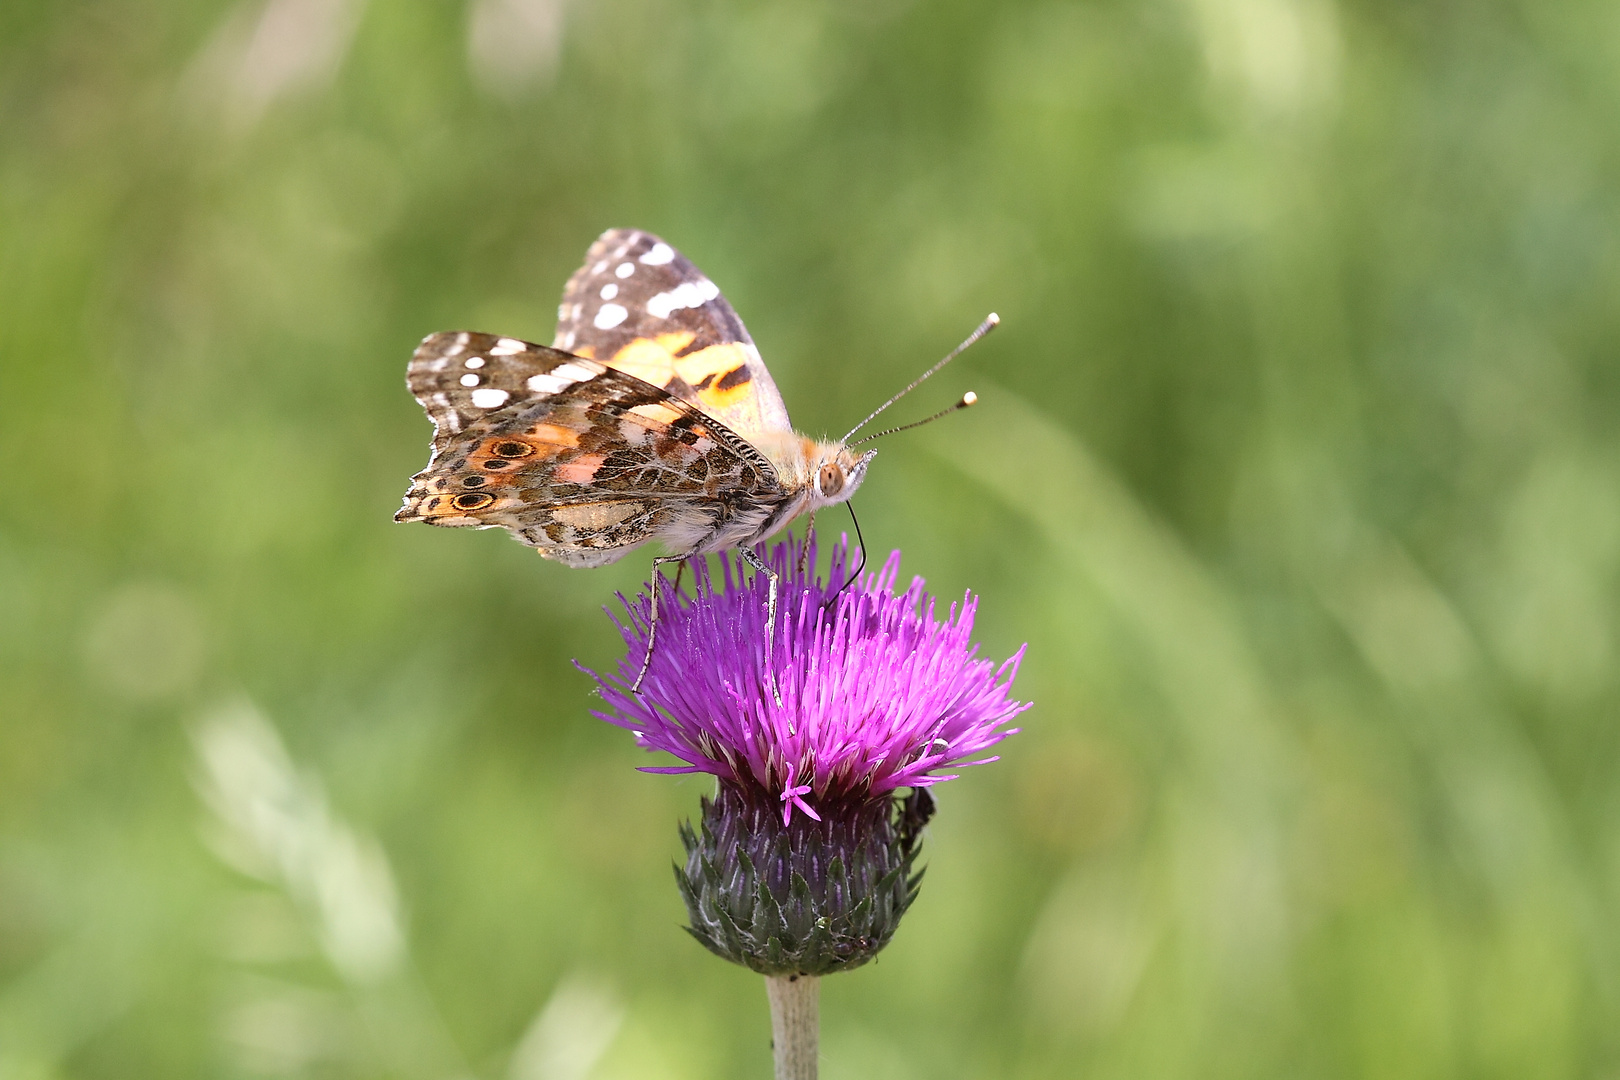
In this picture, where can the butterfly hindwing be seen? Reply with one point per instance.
(575, 458)
(640, 306)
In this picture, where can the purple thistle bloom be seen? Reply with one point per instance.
(876, 692)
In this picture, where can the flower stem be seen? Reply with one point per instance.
(795, 1024)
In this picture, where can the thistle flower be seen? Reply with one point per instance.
(802, 861)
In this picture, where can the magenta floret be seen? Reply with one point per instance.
(877, 692)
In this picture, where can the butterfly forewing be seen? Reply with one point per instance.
(459, 378)
(577, 459)
(640, 306)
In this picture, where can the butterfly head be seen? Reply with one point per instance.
(838, 472)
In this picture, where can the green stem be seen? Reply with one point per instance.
(795, 1024)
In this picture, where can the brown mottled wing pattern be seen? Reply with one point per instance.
(640, 306)
(577, 459)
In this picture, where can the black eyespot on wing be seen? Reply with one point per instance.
(513, 449)
(473, 500)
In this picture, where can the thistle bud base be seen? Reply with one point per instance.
(804, 897)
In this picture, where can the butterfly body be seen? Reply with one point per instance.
(651, 418)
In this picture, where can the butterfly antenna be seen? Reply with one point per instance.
(989, 324)
(967, 399)
(860, 542)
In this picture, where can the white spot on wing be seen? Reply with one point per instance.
(657, 412)
(548, 384)
(568, 340)
(688, 294)
(562, 312)
(609, 291)
(610, 316)
(599, 267)
(507, 347)
(573, 372)
(470, 379)
(633, 433)
(462, 339)
(659, 254)
(624, 269)
(475, 361)
(490, 397)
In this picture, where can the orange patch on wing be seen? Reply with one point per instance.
(434, 508)
(579, 471)
(652, 359)
(721, 375)
(552, 434)
(538, 443)
(498, 478)
(587, 351)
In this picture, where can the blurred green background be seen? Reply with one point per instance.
(1296, 465)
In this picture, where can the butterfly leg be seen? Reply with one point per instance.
(809, 538)
(749, 557)
(658, 564)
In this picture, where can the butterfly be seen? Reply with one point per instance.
(649, 418)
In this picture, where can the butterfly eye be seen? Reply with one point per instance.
(513, 449)
(473, 500)
(830, 481)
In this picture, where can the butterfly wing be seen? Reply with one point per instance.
(640, 306)
(575, 458)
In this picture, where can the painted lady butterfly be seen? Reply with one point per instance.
(650, 417)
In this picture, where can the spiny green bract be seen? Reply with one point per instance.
(808, 897)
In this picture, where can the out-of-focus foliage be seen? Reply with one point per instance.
(1296, 465)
